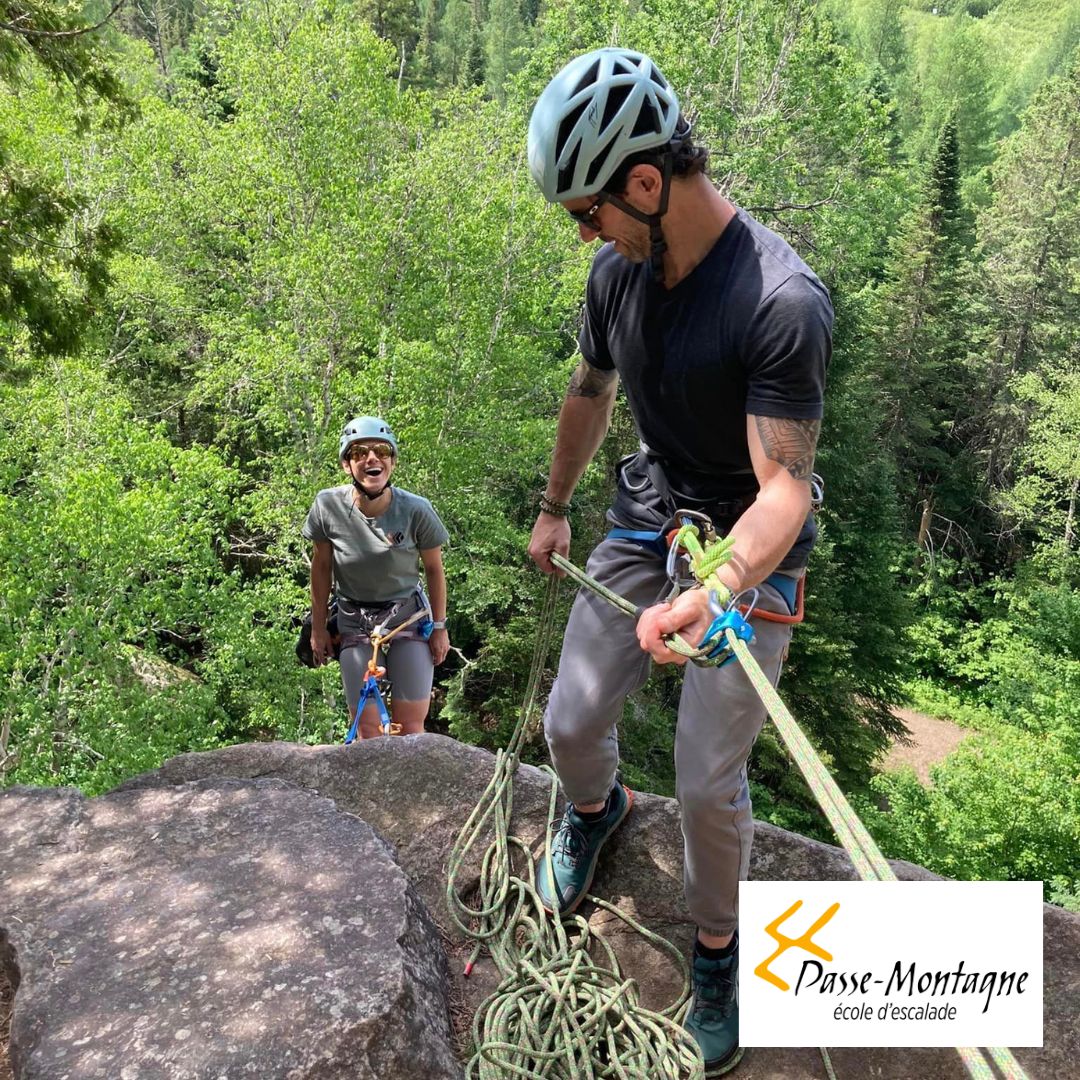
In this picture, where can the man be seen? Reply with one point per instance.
(720, 335)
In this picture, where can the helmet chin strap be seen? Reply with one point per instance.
(370, 498)
(658, 245)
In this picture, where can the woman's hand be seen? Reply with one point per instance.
(439, 644)
(322, 645)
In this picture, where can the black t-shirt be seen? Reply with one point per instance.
(747, 331)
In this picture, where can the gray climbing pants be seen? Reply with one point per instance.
(720, 715)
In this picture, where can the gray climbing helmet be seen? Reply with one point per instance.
(365, 427)
(601, 108)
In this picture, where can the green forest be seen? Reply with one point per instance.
(226, 228)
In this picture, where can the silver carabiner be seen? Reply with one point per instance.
(687, 517)
(696, 515)
(817, 492)
(733, 603)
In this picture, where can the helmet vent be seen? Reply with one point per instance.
(598, 163)
(648, 121)
(657, 77)
(616, 98)
(566, 174)
(588, 78)
(566, 128)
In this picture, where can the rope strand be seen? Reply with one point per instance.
(869, 862)
(562, 1010)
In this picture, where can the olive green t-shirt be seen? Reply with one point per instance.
(375, 559)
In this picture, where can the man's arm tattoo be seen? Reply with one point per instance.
(588, 381)
(791, 443)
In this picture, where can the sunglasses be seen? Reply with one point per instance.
(585, 217)
(382, 450)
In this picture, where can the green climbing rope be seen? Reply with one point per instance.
(866, 856)
(675, 643)
(562, 1009)
(706, 559)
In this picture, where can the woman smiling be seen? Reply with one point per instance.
(371, 538)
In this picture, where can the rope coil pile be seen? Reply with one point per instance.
(563, 1010)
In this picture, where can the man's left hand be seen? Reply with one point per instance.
(439, 644)
(688, 616)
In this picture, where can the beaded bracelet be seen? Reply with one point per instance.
(551, 506)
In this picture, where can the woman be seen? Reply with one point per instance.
(371, 537)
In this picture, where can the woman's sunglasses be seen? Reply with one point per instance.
(359, 451)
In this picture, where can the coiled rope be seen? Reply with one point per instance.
(563, 1009)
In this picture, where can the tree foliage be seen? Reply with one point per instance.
(53, 254)
(322, 208)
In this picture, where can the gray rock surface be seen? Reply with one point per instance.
(417, 792)
(223, 928)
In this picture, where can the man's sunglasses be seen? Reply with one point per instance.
(359, 451)
(585, 217)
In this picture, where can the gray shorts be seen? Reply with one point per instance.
(407, 659)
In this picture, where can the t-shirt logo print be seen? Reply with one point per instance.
(395, 538)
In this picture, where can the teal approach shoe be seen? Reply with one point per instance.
(574, 851)
(713, 1018)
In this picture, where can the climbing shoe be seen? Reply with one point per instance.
(574, 851)
(713, 1017)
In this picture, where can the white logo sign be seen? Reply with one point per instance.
(890, 963)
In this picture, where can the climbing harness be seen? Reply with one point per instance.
(379, 637)
(671, 544)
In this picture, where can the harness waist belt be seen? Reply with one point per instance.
(653, 540)
(786, 585)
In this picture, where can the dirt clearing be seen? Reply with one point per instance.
(932, 740)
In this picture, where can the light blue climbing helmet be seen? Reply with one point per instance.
(601, 108)
(365, 427)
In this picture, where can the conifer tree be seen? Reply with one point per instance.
(1031, 239)
(53, 261)
(1046, 496)
(424, 59)
(395, 20)
(923, 333)
(505, 34)
(950, 74)
(453, 41)
(473, 71)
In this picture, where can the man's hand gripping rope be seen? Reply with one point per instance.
(695, 556)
